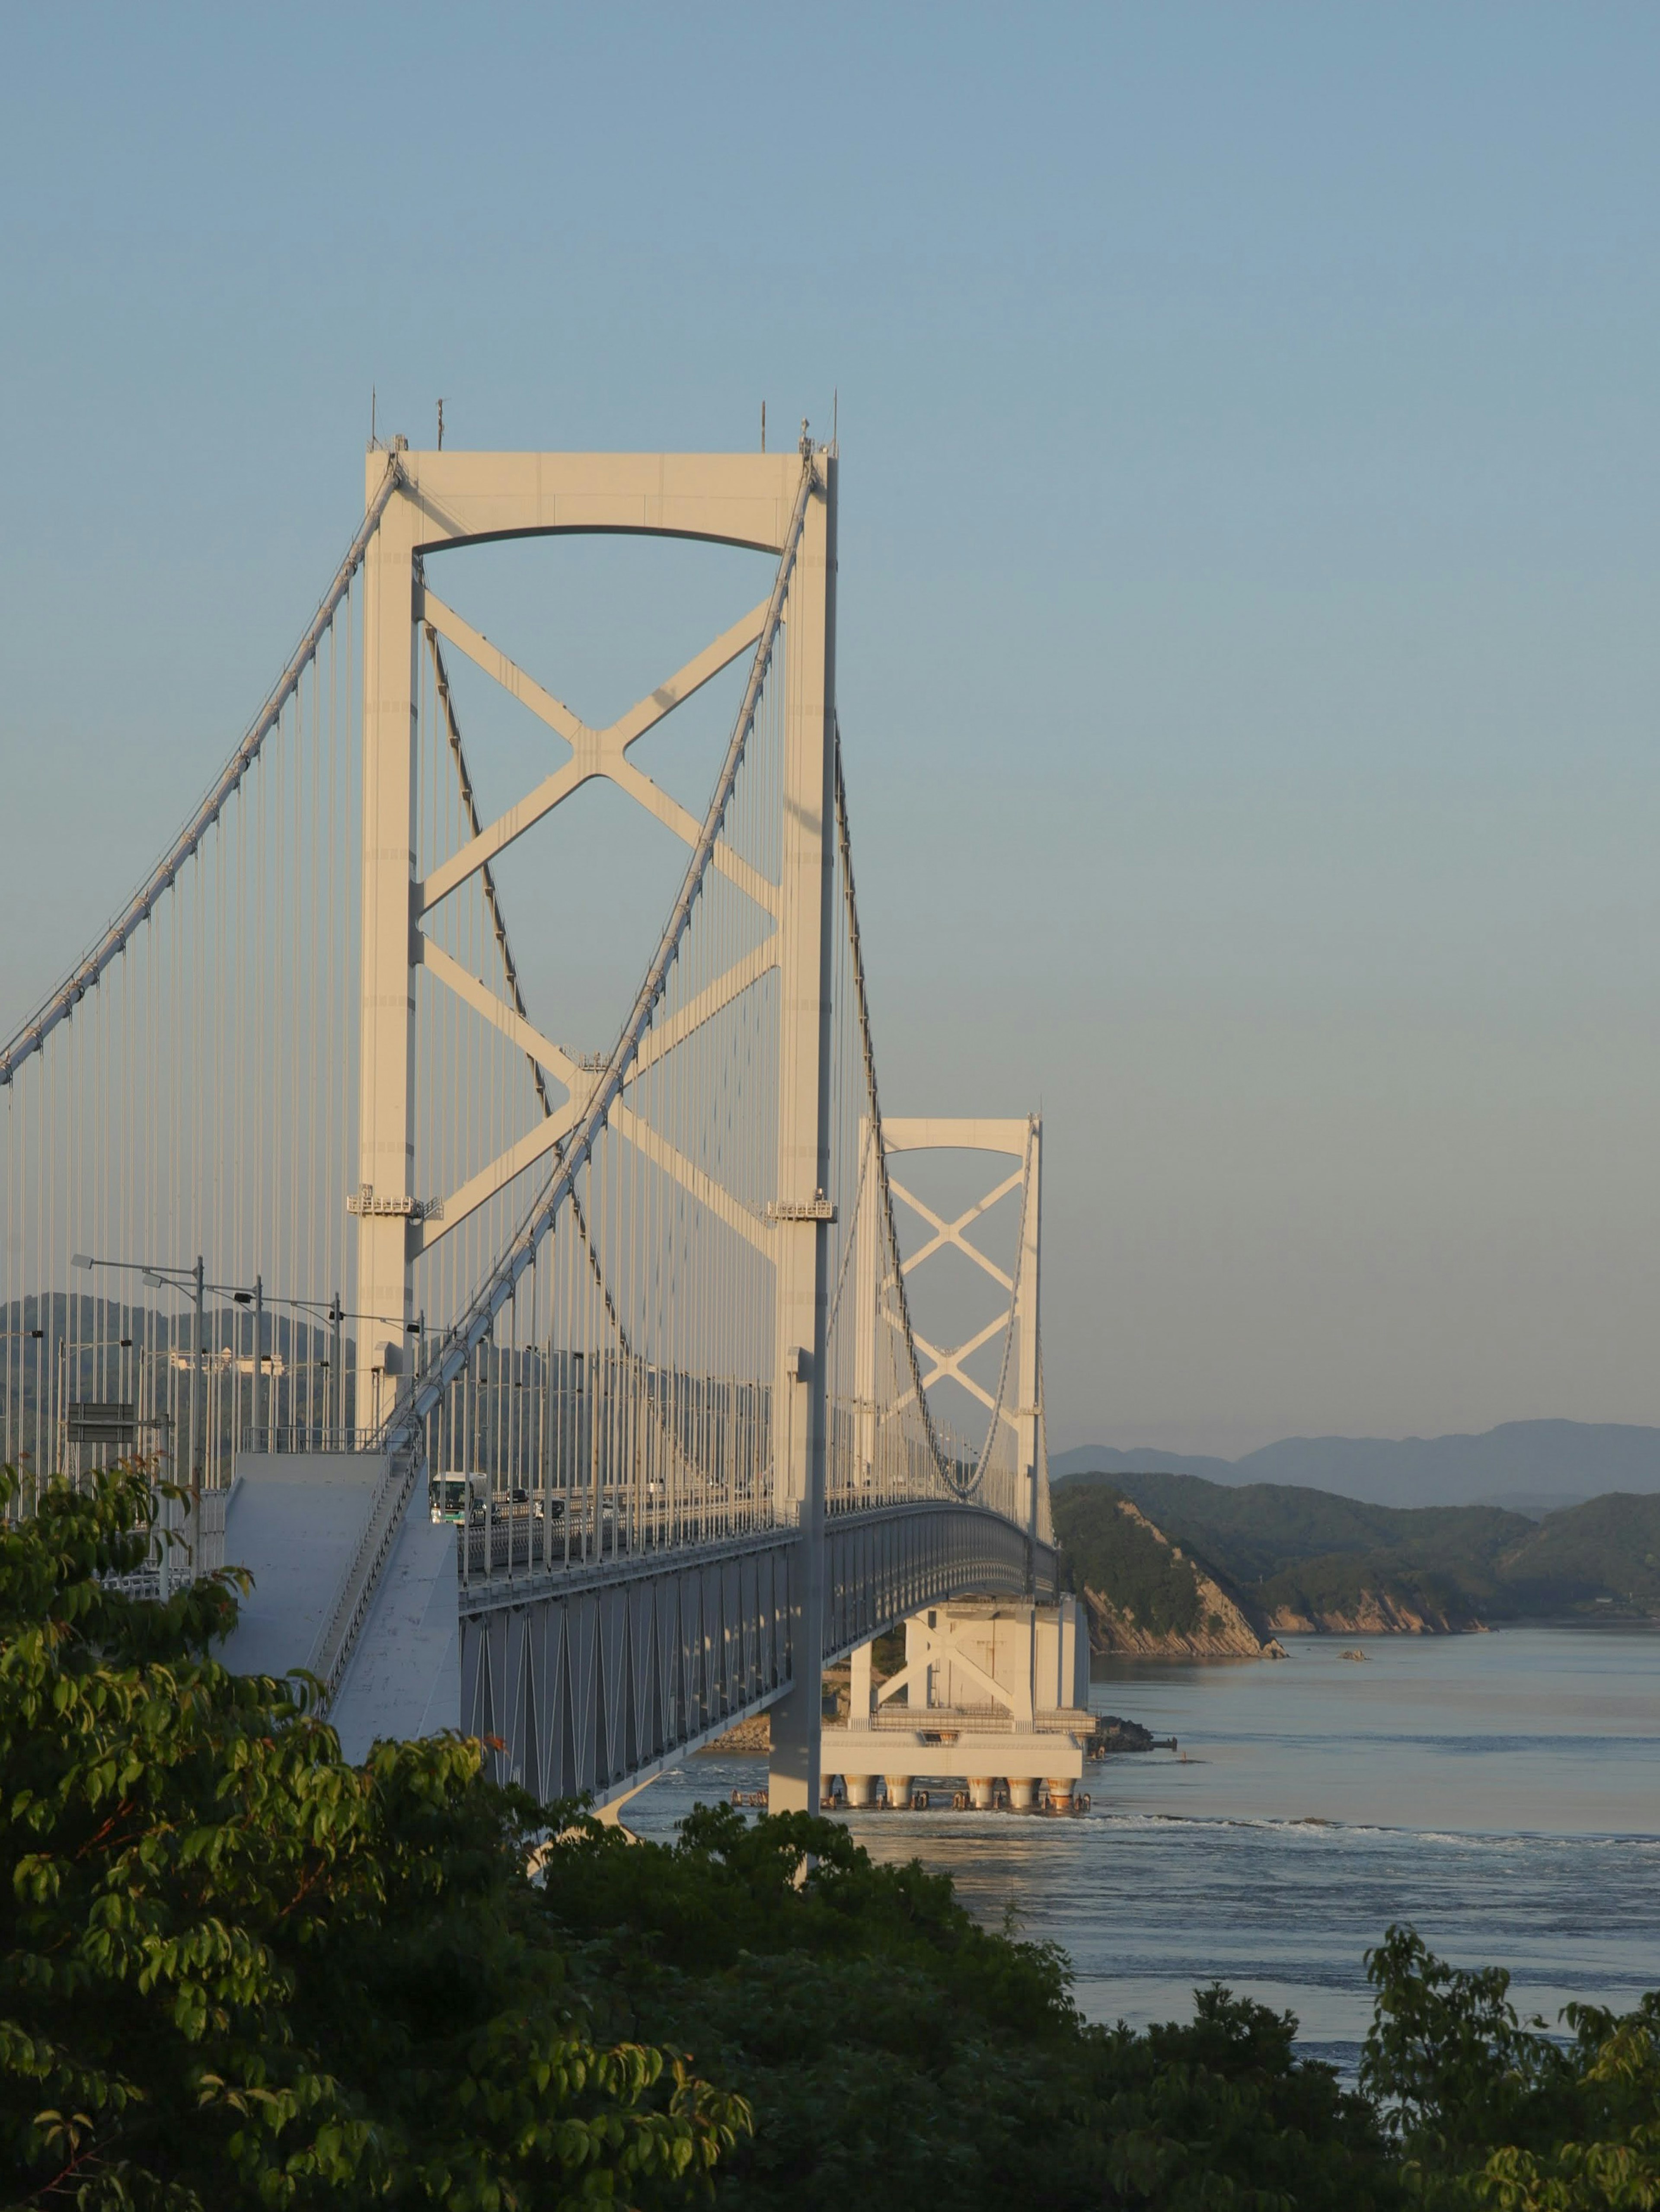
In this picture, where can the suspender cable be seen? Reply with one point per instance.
(63, 1002)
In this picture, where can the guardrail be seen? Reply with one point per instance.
(307, 1439)
(338, 1635)
(187, 1541)
(548, 1534)
(972, 1720)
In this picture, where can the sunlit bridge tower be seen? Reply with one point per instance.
(570, 1396)
(782, 504)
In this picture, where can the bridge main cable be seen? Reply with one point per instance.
(109, 947)
(951, 1482)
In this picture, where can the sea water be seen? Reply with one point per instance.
(1499, 1792)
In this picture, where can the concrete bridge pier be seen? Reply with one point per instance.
(994, 1691)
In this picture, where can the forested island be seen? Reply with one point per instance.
(1175, 1565)
(237, 1972)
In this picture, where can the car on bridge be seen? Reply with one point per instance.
(464, 1498)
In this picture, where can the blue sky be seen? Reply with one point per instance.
(1248, 657)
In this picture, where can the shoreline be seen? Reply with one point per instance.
(1275, 1648)
(1602, 1624)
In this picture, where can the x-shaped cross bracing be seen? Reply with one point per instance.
(593, 753)
(949, 1361)
(940, 1650)
(951, 1232)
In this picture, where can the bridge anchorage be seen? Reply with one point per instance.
(573, 1399)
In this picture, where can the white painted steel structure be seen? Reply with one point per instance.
(646, 1307)
(1016, 1328)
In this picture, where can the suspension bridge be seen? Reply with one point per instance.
(571, 1397)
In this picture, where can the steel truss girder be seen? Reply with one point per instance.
(596, 1678)
(881, 1567)
(597, 1686)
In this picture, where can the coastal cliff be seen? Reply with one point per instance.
(1148, 1598)
(1375, 1612)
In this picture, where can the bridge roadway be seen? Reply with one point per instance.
(598, 1677)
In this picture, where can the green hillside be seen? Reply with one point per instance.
(1608, 1547)
(1380, 1589)
(1106, 1551)
(1288, 1551)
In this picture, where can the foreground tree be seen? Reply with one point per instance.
(235, 1971)
(894, 2053)
(1490, 2112)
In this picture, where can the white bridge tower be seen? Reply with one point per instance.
(442, 499)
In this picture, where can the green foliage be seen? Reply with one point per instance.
(236, 1971)
(1497, 2116)
(1261, 1528)
(1608, 1547)
(1110, 1552)
(894, 2053)
(1220, 2112)
(1280, 1544)
(1345, 1585)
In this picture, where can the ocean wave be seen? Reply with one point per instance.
(1314, 1827)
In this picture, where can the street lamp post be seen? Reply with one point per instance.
(261, 1401)
(198, 1386)
(257, 1365)
(335, 1313)
(193, 1281)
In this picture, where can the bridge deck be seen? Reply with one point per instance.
(594, 1677)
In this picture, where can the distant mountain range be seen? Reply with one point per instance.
(1528, 1466)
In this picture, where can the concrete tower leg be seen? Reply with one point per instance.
(867, 1231)
(807, 942)
(1028, 1412)
(386, 1053)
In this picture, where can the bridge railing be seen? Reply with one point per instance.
(555, 1464)
(289, 1438)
